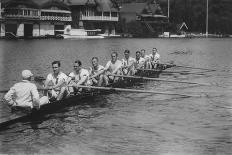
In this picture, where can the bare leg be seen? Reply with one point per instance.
(106, 80)
(101, 78)
(63, 93)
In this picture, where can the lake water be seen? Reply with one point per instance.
(127, 123)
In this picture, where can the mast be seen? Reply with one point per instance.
(168, 8)
(207, 17)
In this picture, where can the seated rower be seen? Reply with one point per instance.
(128, 64)
(113, 67)
(97, 75)
(154, 59)
(56, 83)
(139, 63)
(146, 58)
(79, 76)
(24, 94)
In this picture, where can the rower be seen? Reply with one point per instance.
(128, 64)
(24, 95)
(113, 67)
(145, 57)
(97, 75)
(154, 58)
(139, 63)
(79, 76)
(56, 82)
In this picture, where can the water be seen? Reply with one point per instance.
(127, 123)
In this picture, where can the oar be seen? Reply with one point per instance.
(164, 71)
(189, 67)
(136, 91)
(158, 79)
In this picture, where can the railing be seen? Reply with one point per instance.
(22, 13)
(99, 18)
(55, 18)
(54, 15)
(11, 35)
(21, 16)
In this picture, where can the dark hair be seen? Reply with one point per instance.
(79, 62)
(138, 52)
(154, 48)
(126, 51)
(114, 53)
(143, 50)
(56, 62)
(94, 58)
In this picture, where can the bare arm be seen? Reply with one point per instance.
(8, 97)
(35, 97)
(99, 73)
(81, 81)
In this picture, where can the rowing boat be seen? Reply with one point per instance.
(75, 99)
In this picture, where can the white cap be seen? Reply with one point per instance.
(26, 74)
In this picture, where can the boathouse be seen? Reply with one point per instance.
(31, 18)
(149, 14)
(93, 15)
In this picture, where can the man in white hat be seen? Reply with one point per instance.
(25, 94)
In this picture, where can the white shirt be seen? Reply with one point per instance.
(96, 71)
(139, 63)
(128, 62)
(146, 57)
(22, 94)
(78, 76)
(113, 66)
(55, 80)
(154, 58)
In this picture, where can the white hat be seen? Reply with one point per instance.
(26, 74)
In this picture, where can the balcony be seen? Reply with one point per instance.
(23, 13)
(56, 15)
(99, 18)
(35, 14)
(56, 18)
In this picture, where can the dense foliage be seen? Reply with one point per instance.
(193, 13)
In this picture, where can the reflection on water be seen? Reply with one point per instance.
(127, 123)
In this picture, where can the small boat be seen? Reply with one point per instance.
(67, 36)
(72, 100)
(82, 34)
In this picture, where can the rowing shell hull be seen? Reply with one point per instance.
(74, 100)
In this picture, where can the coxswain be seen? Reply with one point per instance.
(154, 58)
(79, 76)
(113, 67)
(128, 64)
(97, 75)
(24, 95)
(56, 83)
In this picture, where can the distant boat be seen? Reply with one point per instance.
(68, 36)
(82, 34)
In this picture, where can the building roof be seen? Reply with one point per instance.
(181, 26)
(15, 3)
(36, 3)
(58, 4)
(105, 6)
(76, 2)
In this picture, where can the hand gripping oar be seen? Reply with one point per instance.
(158, 79)
(137, 91)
